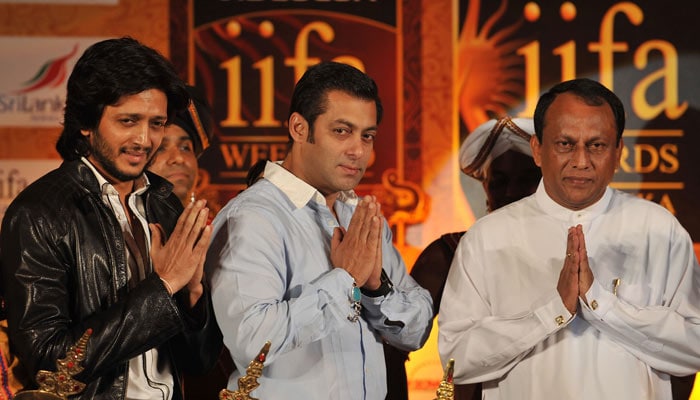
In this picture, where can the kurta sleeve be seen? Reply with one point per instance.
(485, 345)
(658, 323)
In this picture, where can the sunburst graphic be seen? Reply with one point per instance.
(51, 74)
(489, 72)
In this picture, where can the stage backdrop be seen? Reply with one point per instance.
(247, 55)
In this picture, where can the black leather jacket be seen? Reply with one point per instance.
(64, 270)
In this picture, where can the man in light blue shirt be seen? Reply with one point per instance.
(299, 260)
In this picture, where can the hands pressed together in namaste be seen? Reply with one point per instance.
(359, 249)
(576, 276)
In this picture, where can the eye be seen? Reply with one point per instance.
(127, 121)
(341, 131)
(186, 148)
(369, 137)
(158, 124)
(563, 145)
(597, 147)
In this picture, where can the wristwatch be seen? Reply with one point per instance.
(384, 287)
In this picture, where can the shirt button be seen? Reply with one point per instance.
(594, 304)
(559, 320)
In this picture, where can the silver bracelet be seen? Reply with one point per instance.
(355, 297)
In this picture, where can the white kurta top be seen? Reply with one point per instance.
(504, 323)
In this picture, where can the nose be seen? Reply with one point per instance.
(356, 148)
(580, 158)
(142, 135)
(173, 155)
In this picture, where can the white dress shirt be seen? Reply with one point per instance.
(504, 323)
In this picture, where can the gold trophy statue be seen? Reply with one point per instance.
(446, 390)
(248, 382)
(60, 384)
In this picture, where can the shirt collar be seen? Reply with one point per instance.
(298, 191)
(140, 184)
(560, 212)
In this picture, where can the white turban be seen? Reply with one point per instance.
(491, 139)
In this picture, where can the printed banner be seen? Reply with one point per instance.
(509, 55)
(247, 60)
(15, 175)
(33, 79)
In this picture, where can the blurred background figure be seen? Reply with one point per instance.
(176, 160)
(185, 139)
(498, 154)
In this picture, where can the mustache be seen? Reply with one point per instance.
(136, 149)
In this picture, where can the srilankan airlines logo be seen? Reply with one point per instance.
(52, 74)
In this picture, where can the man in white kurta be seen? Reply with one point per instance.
(508, 316)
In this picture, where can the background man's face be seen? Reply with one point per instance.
(511, 176)
(175, 161)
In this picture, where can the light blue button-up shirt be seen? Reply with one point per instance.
(272, 279)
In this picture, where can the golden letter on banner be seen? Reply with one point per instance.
(670, 75)
(606, 47)
(233, 117)
(531, 52)
(301, 60)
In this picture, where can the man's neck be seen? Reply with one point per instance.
(124, 188)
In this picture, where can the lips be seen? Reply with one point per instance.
(577, 180)
(180, 176)
(351, 170)
(136, 156)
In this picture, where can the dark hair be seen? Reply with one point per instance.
(311, 92)
(107, 71)
(592, 92)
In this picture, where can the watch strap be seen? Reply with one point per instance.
(384, 288)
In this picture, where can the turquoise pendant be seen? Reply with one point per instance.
(356, 294)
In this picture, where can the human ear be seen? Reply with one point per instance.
(536, 148)
(298, 127)
(618, 153)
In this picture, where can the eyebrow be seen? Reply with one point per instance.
(354, 126)
(141, 116)
(179, 139)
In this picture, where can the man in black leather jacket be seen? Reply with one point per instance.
(75, 249)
